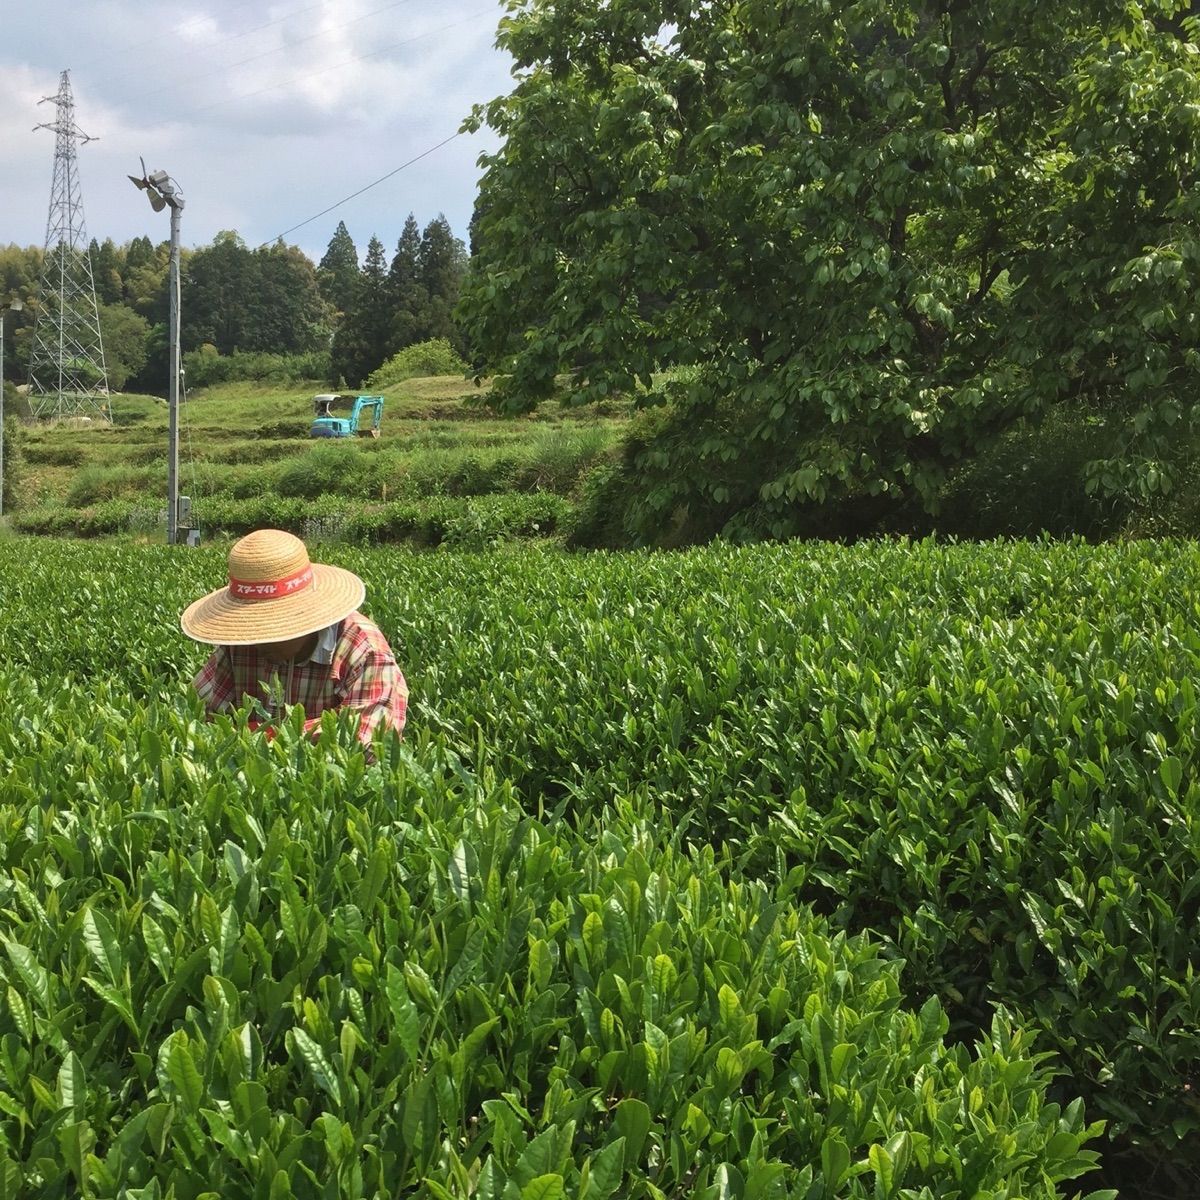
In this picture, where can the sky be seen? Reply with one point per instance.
(263, 114)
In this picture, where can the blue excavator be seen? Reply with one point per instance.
(364, 416)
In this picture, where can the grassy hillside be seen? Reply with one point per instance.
(246, 458)
(448, 469)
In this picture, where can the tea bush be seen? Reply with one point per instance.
(440, 520)
(238, 968)
(982, 756)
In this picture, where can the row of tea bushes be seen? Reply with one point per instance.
(474, 522)
(235, 968)
(984, 755)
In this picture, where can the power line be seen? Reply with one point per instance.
(176, 30)
(357, 58)
(369, 186)
(241, 62)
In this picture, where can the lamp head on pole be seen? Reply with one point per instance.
(159, 187)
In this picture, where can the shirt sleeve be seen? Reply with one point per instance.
(214, 683)
(379, 694)
(375, 689)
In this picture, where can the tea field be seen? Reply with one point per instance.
(805, 871)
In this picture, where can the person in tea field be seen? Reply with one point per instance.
(288, 631)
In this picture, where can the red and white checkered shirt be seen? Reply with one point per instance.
(351, 667)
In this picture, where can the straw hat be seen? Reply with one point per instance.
(274, 594)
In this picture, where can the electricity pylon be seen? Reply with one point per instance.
(67, 376)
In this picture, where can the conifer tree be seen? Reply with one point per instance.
(337, 272)
(361, 341)
(443, 261)
(406, 293)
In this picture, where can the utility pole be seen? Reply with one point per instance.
(173, 385)
(11, 306)
(162, 191)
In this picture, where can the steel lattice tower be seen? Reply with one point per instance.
(67, 375)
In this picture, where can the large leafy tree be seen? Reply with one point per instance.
(20, 269)
(286, 312)
(240, 299)
(865, 236)
(106, 270)
(144, 278)
(219, 286)
(125, 335)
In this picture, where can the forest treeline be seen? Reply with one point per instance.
(342, 316)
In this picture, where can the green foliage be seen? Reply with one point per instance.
(20, 269)
(337, 272)
(95, 520)
(242, 968)
(106, 271)
(406, 290)
(144, 278)
(552, 460)
(206, 366)
(441, 263)
(1034, 480)
(985, 755)
(95, 484)
(433, 357)
(247, 459)
(125, 335)
(14, 456)
(884, 233)
(362, 338)
(393, 307)
(473, 522)
(327, 467)
(263, 300)
(67, 454)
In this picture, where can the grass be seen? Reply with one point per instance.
(446, 470)
(244, 441)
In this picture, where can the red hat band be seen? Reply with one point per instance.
(272, 589)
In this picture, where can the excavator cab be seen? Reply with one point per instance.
(327, 423)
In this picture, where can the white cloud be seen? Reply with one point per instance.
(264, 115)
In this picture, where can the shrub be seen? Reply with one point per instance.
(327, 467)
(984, 754)
(151, 454)
(260, 451)
(99, 520)
(206, 367)
(435, 357)
(561, 457)
(93, 485)
(13, 451)
(225, 514)
(1032, 480)
(52, 454)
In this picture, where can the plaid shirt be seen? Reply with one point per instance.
(351, 667)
